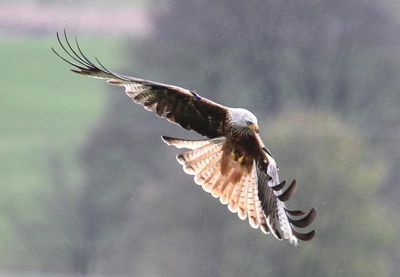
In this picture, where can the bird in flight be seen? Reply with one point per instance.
(231, 163)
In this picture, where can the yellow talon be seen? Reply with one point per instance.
(234, 156)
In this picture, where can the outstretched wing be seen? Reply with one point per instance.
(254, 193)
(178, 105)
(273, 195)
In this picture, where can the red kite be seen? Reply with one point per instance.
(232, 163)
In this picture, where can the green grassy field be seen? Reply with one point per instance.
(45, 110)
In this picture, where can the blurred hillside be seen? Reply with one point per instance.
(37, 18)
(90, 189)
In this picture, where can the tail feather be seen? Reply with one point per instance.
(222, 188)
(228, 194)
(228, 186)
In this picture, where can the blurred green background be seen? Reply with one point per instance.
(89, 189)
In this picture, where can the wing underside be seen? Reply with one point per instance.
(249, 193)
(284, 223)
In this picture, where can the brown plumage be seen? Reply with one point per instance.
(232, 164)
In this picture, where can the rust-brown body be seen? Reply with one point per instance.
(242, 146)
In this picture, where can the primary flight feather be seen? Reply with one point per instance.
(232, 163)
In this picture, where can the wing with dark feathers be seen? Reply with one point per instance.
(178, 105)
(283, 223)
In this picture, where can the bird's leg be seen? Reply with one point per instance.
(237, 157)
(234, 155)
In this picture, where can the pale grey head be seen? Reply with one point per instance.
(243, 118)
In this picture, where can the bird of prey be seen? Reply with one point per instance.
(231, 163)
